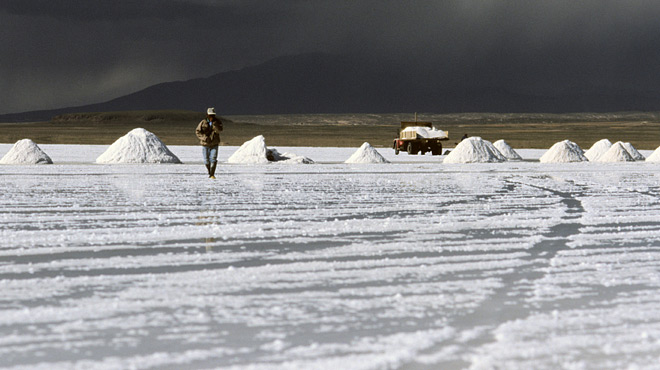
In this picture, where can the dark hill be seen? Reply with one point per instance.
(322, 83)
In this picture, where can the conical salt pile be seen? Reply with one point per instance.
(633, 152)
(25, 152)
(252, 151)
(138, 146)
(255, 151)
(599, 148)
(655, 156)
(616, 153)
(366, 154)
(564, 152)
(474, 149)
(507, 151)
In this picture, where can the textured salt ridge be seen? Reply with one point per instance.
(633, 152)
(474, 150)
(616, 153)
(564, 152)
(26, 152)
(138, 146)
(598, 149)
(254, 151)
(507, 151)
(366, 154)
(286, 157)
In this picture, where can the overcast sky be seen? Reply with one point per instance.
(74, 52)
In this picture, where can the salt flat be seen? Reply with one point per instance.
(413, 264)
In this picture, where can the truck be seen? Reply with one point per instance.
(419, 137)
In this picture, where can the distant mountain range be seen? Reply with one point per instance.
(322, 83)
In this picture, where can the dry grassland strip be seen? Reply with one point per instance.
(643, 135)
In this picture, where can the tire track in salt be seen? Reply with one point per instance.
(509, 302)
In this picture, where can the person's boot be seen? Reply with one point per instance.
(213, 170)
(208, 169)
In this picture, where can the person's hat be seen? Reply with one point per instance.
(210, 111)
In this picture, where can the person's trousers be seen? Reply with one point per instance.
(210, 154)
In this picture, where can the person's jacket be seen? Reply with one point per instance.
(209, 135)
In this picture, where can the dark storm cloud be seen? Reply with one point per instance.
(73, 52)
(208, 15)
(76, 52)
(100, 10)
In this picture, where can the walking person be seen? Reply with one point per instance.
(208, 132)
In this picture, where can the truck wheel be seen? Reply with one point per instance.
(410, 148)
(437, 149)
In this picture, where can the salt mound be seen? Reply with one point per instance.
(633, 152)
(366, 154)
(599, 148)
(255, 151)
(474, 149)
(616, 153)
(138, 146)
(655, 156)
(25, 152)
(273, 155)
(507, 151)
(252, 151)
(563, 152)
